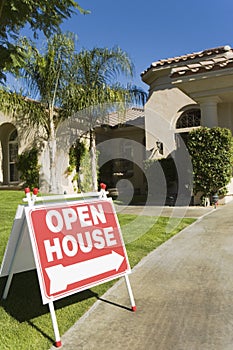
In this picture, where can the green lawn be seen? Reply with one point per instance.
(25, 322)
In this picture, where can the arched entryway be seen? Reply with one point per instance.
(189, 119)
(8, 154)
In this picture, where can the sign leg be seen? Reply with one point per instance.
(11, 271)
(7, 287)
(133, 305)
(55, 326)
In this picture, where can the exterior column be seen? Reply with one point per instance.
(209, 112)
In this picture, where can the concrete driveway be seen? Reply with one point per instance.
(183, 292)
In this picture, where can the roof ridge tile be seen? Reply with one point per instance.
(194, 55)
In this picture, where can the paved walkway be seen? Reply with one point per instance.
(183, 291)
(180, 212)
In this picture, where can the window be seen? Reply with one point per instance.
(189, 119)
(13, 156)
(159, 146)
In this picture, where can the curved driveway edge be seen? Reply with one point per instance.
(183, 292)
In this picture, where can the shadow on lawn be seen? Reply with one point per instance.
(24, 300)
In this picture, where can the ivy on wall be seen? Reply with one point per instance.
(80, 161)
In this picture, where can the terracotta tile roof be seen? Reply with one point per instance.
(197, 62)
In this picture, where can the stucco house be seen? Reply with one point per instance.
(120, 142)
(187, 92)
(118, 139)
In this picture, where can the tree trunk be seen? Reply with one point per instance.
(52, 152)
(93, 161)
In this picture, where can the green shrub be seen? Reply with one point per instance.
(211, 150)
(28, 167)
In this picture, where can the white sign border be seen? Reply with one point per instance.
(45, 298)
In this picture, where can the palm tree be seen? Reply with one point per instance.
(95, 84)
(64, 83)
(47, 76)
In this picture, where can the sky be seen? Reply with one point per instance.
(150, 30)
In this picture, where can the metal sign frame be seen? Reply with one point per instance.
(23, 231)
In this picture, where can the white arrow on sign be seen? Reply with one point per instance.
(61, 276)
